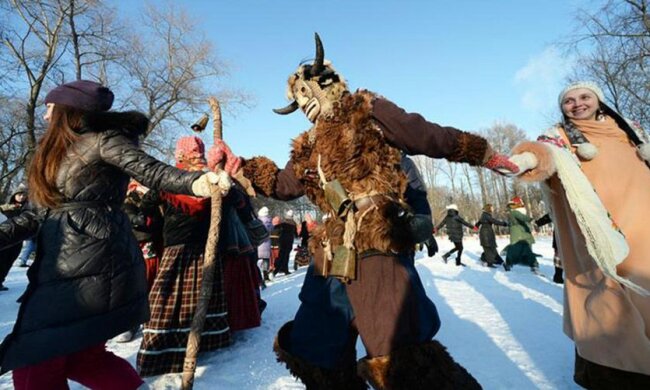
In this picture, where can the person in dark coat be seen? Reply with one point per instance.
(87, 283)
(16, 204)
(362, 280)
(454, 224)
(490, 255)
(288, 233)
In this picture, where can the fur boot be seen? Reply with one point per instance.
(424, 366)
(314, 378)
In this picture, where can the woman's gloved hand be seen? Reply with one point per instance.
(201, 186)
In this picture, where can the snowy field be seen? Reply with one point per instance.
(505, 328)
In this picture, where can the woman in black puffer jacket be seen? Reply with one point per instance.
(87, 283)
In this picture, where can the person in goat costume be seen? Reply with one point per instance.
(362, 280)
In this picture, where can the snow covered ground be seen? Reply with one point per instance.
(505, 328)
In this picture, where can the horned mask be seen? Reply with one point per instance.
(314, 88)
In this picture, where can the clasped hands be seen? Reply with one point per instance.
(219, 154)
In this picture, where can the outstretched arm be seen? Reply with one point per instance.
(20, 227)
(124, 153)
(415, 135)
(271, 181)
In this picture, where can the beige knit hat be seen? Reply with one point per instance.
(590, 85)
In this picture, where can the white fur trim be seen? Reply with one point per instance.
(644, 151)
(452, 207)
(264, 212)
(587, 151)
(605, 244)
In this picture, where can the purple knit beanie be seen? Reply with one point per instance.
(82, 94)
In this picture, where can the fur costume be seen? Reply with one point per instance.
(395, 371)
(349, 141)
(314, 378)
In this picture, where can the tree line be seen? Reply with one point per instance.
(160, 63)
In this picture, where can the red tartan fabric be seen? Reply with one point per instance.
(241, 282)
(173, 300)
(151, 262)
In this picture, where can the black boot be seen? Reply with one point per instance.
(557, 277)
(445, 257)
(421, 366)
(314, 377)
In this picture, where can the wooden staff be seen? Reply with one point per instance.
(209, 264)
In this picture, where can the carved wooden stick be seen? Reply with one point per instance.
(210, 265)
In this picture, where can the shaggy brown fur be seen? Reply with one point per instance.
(374, 370)
(545, 164)
(262, 173)
(314, 378)
(424, 366)
(471, 149)
(355, 153)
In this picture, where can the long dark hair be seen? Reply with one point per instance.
(50, 152)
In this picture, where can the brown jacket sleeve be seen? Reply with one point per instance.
(415, 135)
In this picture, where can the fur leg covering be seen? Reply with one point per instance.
(314, 378)
(423, 366)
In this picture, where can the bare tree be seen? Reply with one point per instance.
(12, 145)
(613, 47)
(95, 38)
(34, 48)
(173, 69)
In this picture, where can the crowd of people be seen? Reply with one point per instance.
(120, 241)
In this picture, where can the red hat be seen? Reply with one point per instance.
(516, 201)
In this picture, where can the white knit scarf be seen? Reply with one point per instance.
(606, 245)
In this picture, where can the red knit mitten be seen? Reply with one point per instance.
(218, 152)
(501, 164)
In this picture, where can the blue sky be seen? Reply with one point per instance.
(460, 63)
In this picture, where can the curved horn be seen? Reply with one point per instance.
(288, 109)
(318, 67)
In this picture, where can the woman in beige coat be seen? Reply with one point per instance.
(594, 169)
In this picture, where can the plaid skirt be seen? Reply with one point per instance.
(173, 299)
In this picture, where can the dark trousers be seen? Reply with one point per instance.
(458, 246)
(282, 263)
(94, 367)
(7, 258)
(386, 306)
(594, 376)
